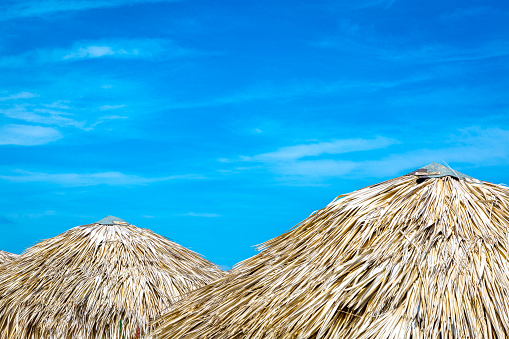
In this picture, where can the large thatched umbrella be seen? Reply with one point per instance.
(420, 256)
(6, 256)
(103, 280)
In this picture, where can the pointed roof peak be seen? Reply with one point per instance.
(111, 220)
(436, 170)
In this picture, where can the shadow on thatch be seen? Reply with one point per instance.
(103, 280)
(420, 256)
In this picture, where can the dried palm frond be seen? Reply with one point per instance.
(421, 256)
(6, 256)
(103, 280)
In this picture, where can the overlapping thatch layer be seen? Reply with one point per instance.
(420, 256)
(103, 280)
(6, 256)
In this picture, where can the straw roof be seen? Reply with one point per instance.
(103, 280)
(6, 256)
(420, 256)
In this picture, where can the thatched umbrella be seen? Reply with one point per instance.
(103, 280)
(424, 255)
(6, 256)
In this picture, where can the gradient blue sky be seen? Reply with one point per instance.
(221, 124)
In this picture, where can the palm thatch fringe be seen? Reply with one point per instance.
(6, 256)
(414, 257)
(96, 281)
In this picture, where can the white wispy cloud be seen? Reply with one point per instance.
(113, 117)
(124, 48)
(95, 52)
(437, 52)
(444, 98)
(110, 107)
(39, 215)
(424, 53)
(36, 110)
(103, 119)
(60, 104)
(90, 179)
(26, 8)
(39, 115)
(474, 146)
(20, 95)
(27, 135)
(203, 215)
(323, 168)
(468, 12)
(60, 116)
(328, 147)
(150, 48)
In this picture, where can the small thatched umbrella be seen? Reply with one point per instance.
(6, 256)
(424, 255)
(103, 280)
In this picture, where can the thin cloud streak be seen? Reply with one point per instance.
(110, 107)
(467, 146)
(443, 53)
(329, 147)
(474, 146)
(429, 53)
(468, 12)
(91, 179)
(17, 96)
(22, 8)
(27, 135)
(149, 48)
(41, 116)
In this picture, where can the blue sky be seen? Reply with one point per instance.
(222, 124)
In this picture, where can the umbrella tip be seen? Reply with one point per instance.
(111, 220)
(436, 170)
